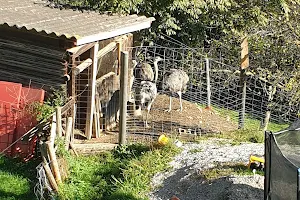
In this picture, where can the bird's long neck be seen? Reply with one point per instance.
(156, 71)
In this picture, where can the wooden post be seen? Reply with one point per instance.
(73, 148)
(58, 122)
(47, 168)
(208, 106)
(123, 96)
(92, 92)
(243, 85)
(74, 121)
(97, 117)
(68, 132)
(53, 129)
(53, 162)
(119, 44)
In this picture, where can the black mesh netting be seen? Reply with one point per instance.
(282, 163)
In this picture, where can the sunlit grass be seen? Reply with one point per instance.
(124, 173)
(252, 127)
(228, 169)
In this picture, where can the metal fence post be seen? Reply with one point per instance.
(243, 90)
(208, 84)
(243, 84)
(123, 96)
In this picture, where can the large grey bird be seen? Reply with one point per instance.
(146, 90)
(175, 81)
(143, 71)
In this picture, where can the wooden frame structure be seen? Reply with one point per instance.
(95, 54)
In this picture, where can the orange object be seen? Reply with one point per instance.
(174, 198)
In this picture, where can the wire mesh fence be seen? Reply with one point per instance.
(211, 81)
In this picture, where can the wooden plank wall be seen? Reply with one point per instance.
(38, 63)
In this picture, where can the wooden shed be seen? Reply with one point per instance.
(46, 47)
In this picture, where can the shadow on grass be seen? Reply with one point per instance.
(14, 171)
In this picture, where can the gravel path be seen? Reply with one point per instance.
(185, 181)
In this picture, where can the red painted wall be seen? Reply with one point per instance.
(15, 120)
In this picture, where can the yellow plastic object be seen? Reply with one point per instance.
(255, 159)
(163, 139)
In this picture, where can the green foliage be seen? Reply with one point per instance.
(43, 111)
(130, 151)
(124, 173)
(61, 151)
(227, 169)
(272, 29)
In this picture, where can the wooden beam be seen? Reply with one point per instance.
(108, 48)
(105, 76)
(92, 93)
(88, 62)
(77, 51)
(68, 106)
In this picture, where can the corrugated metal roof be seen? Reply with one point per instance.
(84, 26)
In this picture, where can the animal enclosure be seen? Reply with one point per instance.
(212, 84)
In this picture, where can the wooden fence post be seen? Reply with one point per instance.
(74, 121)
(47, 168)
(243, 83)
(53, 162)
(68, 132)
(53, 129)
(272, 91)
(58, 122)
(92, 93)
(208, 106)
(123, 96)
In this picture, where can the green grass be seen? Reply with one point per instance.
(251, 131)
(122, 174)
(17, 179)
(227, 169)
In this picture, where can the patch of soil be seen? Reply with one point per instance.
(192, 119)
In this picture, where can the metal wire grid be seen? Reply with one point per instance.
(224, 84)
(42, 189)
(82, 94)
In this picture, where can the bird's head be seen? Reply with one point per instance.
(157, 59)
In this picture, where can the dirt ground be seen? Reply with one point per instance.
(192, 116)
(192, 120)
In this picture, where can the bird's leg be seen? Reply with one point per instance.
(170, 105)
(180, 100)
(148, 110)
